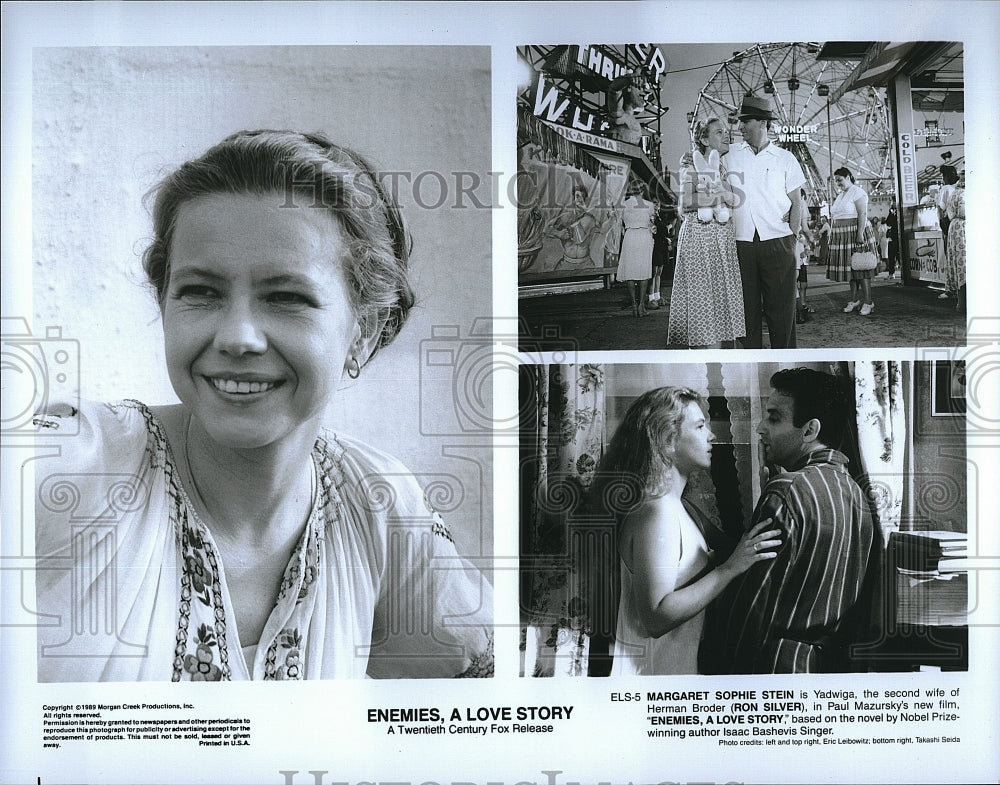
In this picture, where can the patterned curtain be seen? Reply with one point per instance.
(562, 438)
(878, 388)
(876, 453)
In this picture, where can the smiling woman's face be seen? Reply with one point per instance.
(717, 137)
(257, 318)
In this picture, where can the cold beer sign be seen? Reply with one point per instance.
(907, 170)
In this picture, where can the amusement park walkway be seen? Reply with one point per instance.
(904, 316)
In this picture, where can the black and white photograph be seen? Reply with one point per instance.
(739, 518)
(733, 191)
(480, 393)
(242, 528)
(949, 388)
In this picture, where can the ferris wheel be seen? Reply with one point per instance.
(852, 131)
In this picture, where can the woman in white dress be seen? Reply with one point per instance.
(668, 576)
(635, 262)
(231, 536)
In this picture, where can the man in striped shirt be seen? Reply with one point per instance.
(799, 612)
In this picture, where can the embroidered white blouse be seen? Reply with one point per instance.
(133, 588)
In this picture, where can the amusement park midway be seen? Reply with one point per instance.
(693, 71)
(831, 170)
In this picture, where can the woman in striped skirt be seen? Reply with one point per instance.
(851, 232)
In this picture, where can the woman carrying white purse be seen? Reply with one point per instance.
(852, 234)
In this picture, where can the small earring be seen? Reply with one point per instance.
(354, 368)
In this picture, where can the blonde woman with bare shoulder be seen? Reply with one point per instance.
(668, 572)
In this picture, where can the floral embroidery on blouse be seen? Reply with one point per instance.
(290, 641)
(303, 570)
(199, 650)
(299, 579)
(482, 664)
(199, 579)
(194, 566)
(199, 665)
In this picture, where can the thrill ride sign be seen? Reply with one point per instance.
(590, 69)
(585, 123)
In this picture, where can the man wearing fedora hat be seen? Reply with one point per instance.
(767, 180)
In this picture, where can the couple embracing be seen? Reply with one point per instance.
(736, 247)
(794, 593)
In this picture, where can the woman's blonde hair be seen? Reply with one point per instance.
(634, 466)
(701, 128)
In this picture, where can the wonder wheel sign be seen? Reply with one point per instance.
(851, 131)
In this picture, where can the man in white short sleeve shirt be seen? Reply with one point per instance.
(767, 180)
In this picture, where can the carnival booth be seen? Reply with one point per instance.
(588, 122)
(924, 84)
